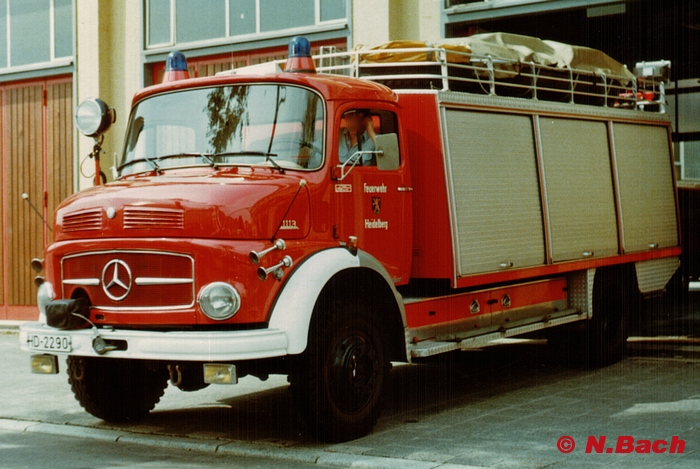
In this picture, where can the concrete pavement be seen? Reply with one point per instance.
(500, 407)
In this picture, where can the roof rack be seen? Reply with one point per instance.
(448, 68)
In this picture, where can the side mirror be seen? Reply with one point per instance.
(93, 117)
(388, 158)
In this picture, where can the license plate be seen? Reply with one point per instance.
(49, 343)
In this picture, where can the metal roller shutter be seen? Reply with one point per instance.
(495, 191)
(646, 187)
(579, 188)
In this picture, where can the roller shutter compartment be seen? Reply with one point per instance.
(494, 190)
(645, 183)
(579, 188)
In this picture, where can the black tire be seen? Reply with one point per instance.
(608, 328)
(339, 381)
(601, 341)
(116, 390)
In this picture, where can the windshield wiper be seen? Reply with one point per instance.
(274, 163)
(155, 165)
(241, 153)
(268, 156)
(208, 157)
(204, 156)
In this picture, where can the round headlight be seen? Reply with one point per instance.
(93, 117)
(219, 300)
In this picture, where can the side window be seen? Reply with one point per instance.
(371, 137)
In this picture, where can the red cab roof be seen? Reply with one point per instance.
(331, 87)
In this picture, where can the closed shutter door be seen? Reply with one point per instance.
(59, 145)
(495, 191)
(579, 187)
(2, 217)
(646, 187)
(37, 133)
(24, 231)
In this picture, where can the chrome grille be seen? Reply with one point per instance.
(84, 220)
(150, 218)
(131, 280)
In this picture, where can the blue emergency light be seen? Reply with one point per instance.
(299, 47)
(176, 62)
(175, 67)
(299, 56)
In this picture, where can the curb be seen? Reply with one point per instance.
(230, 448)
(10, 326)
(665, 339)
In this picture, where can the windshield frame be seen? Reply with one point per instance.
(151, 161)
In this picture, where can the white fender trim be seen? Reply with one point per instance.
(295, 304)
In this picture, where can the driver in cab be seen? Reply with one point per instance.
(357, 135)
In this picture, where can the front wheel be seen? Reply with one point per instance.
(116, 390)
(340, 379)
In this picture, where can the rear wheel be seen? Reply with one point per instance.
(607, 331)
(116, 390)
(340, 379)
(602, 340)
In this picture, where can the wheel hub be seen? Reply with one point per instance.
(354, 370)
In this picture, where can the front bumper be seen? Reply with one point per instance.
(177, 346)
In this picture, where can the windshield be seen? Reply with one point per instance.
(279, 126)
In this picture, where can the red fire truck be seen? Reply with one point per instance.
(412, 200)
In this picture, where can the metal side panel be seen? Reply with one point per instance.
(653, 275)
(580, 290)
(495, 191)
(579, 188)
(646, 187)
(434, 347)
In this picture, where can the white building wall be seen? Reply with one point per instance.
(378, 21)
(108, 66)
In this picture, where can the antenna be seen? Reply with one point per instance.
(25, 196)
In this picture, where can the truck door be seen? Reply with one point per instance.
(373, 190)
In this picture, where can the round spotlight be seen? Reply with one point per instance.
(93, 117)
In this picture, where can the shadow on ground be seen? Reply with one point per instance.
(440, 384)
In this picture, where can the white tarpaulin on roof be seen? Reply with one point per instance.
(512, 48)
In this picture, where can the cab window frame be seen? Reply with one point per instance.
(388, 124)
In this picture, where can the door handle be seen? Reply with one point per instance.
(405, 189)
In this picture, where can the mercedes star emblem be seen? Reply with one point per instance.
(116, 279)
